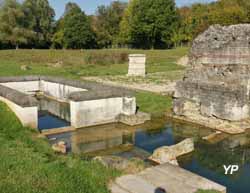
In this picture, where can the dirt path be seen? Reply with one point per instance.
(161, 83)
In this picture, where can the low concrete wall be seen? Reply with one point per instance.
(96, 112)
(27, 87)
(59, 109)
(57, 90)
(90, 103)
(27, 115)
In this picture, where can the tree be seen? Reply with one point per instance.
(107, 23)
(12, 28)
(149, 23)
(77, 32)
(39, 17)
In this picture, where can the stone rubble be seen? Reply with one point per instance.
(169, 154)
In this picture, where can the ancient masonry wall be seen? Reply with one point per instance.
(217, 83)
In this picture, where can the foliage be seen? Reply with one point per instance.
(12, 28)
(198, 17)
(149, 23)
(74, 30)
(106, 23)
(39, 17)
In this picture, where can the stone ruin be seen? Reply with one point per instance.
(137, 65)
(215, 90)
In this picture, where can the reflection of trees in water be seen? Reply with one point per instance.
(213, 157)
(186, 130)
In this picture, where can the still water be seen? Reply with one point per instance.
(207, 160)
(52, 113)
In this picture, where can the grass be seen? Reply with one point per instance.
(77, 63)
(152, 103)
(28, 165)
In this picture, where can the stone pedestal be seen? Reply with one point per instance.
(137, 65)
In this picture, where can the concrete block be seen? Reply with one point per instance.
(137, 65)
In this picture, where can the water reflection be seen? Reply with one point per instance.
(207, 160)
(52, 113)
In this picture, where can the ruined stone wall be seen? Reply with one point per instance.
(217, 82)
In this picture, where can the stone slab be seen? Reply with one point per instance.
(170, 178)
(135, 184)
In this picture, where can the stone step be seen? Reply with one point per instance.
(135, 184)
(189, 178)
(166, 182)
(170, 178)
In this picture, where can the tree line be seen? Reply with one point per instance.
(145, 24)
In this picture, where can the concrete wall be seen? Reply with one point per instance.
(27, 115)
(97, 105)
(27, 87)
(56, 108)
(96, 112)
(59, 91)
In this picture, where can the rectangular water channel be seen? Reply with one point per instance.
(207, 160)
(52, 113)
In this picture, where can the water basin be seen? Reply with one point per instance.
(207, 160)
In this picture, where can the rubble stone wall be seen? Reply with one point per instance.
(217, 83)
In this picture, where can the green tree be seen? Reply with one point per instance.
(149, 23)
(107, 23)
(39, 17)
(77, 32)
(58, 37)
(12, 26)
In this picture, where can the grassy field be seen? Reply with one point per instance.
(154, 104)
(28, 164)
(74, 64)
(79, 63)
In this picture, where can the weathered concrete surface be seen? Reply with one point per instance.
(90, 103)
(217, 84)
(137, 65)
(27, 115)
(102, 111)
(169, 154)
(134, 119)
(171, 178)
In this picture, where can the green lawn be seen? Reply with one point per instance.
(152, 103)
(76, 63)
(28, 165)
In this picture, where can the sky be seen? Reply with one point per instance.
(89, 6)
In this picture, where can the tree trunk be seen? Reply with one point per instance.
(17, 46)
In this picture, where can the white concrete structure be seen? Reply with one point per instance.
(90, 103)
(27, 115)
(137, 65)
(102, 111)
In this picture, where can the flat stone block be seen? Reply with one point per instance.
(137, 119)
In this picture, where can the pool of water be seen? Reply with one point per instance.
(52, 113)
(207, 160)
(47, 120)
